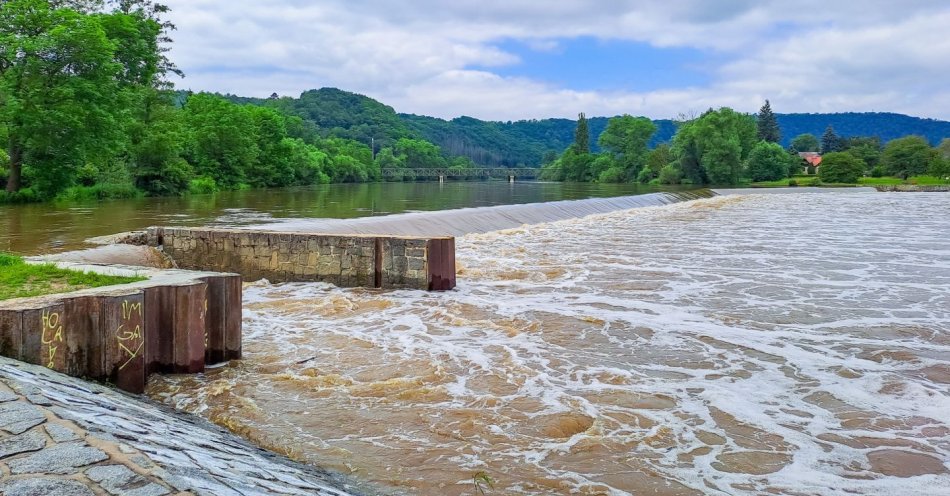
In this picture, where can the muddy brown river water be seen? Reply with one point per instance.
(784, 344)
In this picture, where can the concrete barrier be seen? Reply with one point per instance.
(175, 322)
(346, 261)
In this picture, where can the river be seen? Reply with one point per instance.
(764, 344)
(48, 228)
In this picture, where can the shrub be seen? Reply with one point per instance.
(99, 192)
(877, 171)
(670, 174)
(792, 183)
(840, 167)
(769, 162)
(202, 186)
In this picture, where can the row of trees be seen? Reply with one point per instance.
(86, 110)
(726, 147)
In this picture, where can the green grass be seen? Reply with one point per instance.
(864, 181)
(19, 279)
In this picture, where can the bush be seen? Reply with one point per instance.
(792, 183)
(877, 171)
(769, 162)
(670, 174)
(25, 195)
(840, 167)
(99, 192)
(202, 186)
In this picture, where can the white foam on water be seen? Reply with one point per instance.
(723, 346)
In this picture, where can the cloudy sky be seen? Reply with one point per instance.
(523, 59)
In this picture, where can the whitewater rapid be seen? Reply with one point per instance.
(790, 344)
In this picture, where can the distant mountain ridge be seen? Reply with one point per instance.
(524, 143)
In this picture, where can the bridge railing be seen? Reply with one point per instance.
(471, 172)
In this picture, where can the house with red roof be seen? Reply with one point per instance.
(810, 161)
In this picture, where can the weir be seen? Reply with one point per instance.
(464, 221)
(389, 262)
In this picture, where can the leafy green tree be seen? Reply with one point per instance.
(670, 174)
(658, 158)
(805, 143)
(625, 141)
(718, 142)
(419, 154)
(840, 167)
(223, 139)
(769, 162)
(767, 124)
(908, 156)
(868, 149)
(582, 135)
(576, 166)
(944, 148)
(156, 142)
(62, 86)
(830, 141)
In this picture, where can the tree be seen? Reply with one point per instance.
(769, 162)
(867, 149)
(908, 156)
(944, 148)
(767, 124)
(840, 167)
(718, 142)
(223, 142)
(582, 135)
(419, 154)
(659, 157)
(830, 141)
(625, 140)
(805, 143)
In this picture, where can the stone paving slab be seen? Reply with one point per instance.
(62, 436)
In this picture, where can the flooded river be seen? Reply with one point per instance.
(782, 344)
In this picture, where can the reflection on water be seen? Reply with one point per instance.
(793, 344)
(44, 228)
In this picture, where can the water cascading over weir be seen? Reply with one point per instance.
(180, 321)
(404, 251)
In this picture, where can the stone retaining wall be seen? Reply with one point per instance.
(175, 323)
(913, 188)
(346, 261)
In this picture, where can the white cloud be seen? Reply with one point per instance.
(418, 55)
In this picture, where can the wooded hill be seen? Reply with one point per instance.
(525, 143)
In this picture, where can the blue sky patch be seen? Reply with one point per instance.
(592, 64)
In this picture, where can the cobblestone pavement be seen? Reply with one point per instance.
(61, 436)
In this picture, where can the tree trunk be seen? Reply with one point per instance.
(16, 166)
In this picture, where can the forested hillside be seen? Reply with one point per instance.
(348, 115)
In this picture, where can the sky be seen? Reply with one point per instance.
(527, 59)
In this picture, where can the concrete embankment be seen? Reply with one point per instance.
(61, 436)
(173, 322)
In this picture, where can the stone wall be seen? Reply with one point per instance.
(346, 261)
(913, 188)
(176, 323)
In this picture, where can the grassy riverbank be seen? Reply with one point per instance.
(814, 180)
(19, 279)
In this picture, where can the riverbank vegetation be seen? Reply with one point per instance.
(19, 279)
(725, 147)
(87, 112)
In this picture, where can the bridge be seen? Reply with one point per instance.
(442, 173)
